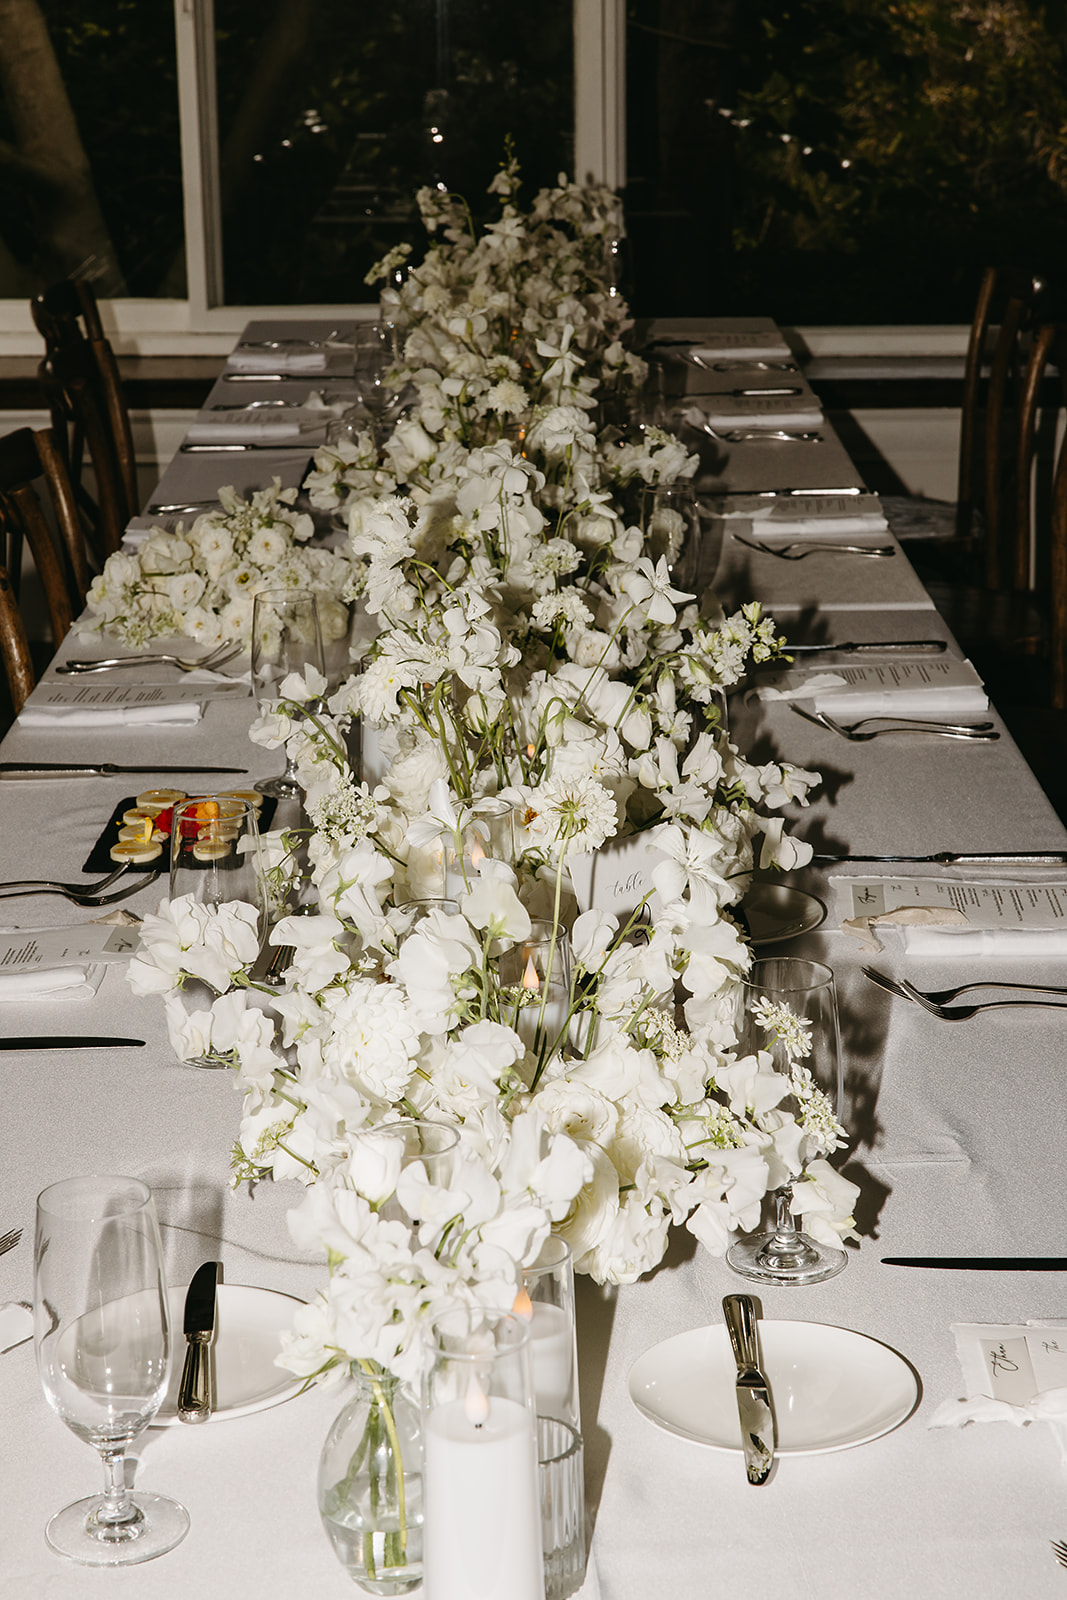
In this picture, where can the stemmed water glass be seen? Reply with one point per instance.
(286, 638)
(789, 1008)
(102, 1338)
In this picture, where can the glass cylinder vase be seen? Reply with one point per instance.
(370, 1485)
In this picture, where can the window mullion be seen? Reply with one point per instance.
(194, 22)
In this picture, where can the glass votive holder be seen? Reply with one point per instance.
(536, 974)
(214, 852)
(546, 1304)
(561, 1479)
(482, 1514)
(672, 530)
(380, 1158)
(490, 831)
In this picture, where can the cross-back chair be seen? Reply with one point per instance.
(972, 539)
(83, 390)
(26, 457)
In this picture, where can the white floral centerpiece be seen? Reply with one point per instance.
(530, 656)
(201, 581)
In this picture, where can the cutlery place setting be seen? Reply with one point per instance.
(214, 659)
(89, 894)
(861, 731)
(797, 550)
(936, 1001)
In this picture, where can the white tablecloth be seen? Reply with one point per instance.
(957, 1146)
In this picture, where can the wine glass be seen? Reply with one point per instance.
(286, 638)
(789, 1007)
(672, 529)
(102, 1338)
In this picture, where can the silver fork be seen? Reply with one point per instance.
(976, 732)
(1059, 1550)
(83, 897)
(938, 997)
(963, 1013)
(37, 885)
(808, 547)
(214, 658)
(9, 1240)
(752, 435)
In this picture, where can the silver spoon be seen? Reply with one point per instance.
(812, 546)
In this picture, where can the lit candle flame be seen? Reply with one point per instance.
(530, 980)
(476, 1404)
(477, 853)
(523, 1306)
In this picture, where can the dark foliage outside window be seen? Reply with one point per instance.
(843, 161)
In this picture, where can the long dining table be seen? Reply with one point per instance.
(956, 1141)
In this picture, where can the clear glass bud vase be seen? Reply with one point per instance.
(370, 1485)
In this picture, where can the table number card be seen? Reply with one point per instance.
(616, 877)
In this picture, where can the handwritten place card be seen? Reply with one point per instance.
(616, 877)
(1012, 1362)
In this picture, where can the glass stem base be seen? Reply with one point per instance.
(85, 1532)
(785, 1255)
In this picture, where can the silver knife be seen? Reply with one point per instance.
(950, 858)
(196, 1391)
(737, 394)
(279, 446)
(981, 1263)
(160, 508)
(918, 646)
(758, 1434)
(776, 494)
(97, 769)
(85, 1041)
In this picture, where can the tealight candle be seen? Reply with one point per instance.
(552, 1353)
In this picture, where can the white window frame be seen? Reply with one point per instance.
(203, 325)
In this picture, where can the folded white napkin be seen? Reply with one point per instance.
(931, 704)
(730, 413)
(172, 716)
(51, 983)
(252, 425)
(16, 1325)
(742, 347)
(798, 525)
(292, 358)
(953, 944)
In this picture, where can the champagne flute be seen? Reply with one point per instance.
(102, 1339)
(286, 638)
(789, 1008)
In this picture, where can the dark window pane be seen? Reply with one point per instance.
(89, 110)
(855, 161)
(332, 115)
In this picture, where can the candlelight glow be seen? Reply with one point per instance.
(476, 1404)
(523, 1306)
(530, 980)
(477, 853)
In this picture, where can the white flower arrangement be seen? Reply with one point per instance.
(530, 654)
(202, 582)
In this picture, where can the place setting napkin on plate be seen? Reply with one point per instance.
(51, 984)
(287, 358)
(933, 690)
(237, 427)
(818, 516)
(179, 715)
(759, 411)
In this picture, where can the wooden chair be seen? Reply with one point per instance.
(972, 538)
(91, 412)
(26, 456)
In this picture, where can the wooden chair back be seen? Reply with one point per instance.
(991, 476)
(68, 317)
(67, 379)
(14, 646)
(26, 456)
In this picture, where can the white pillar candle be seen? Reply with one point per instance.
(482, 1527)
(552, 1349)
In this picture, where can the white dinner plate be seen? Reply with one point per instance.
(831, 1388)
(248, 1323)
(774, 911)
